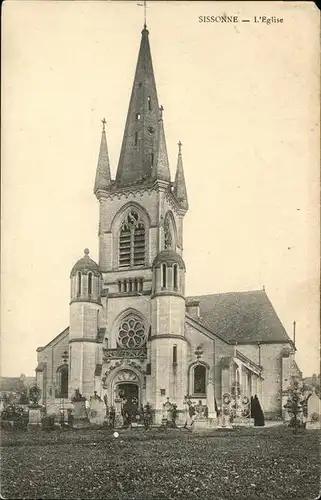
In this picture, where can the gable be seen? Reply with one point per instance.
(241, 316)
(56, 339)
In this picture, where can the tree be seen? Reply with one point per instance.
(22, 389)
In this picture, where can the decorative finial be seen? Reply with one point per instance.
(161, 109)
(179, 147)
(86, 251)
(103, 121)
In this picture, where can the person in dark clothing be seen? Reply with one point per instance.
(256, 412)
(112, 415)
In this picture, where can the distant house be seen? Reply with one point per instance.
(15, 385)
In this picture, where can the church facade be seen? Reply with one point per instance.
(133, 333)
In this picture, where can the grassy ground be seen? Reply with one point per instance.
(141, 465)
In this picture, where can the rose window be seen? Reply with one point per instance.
(131, 333)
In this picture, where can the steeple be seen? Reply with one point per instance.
(103, 177)
(160, 168)
(139, 146)
(179, 185)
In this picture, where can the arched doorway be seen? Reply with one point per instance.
(129, 393)
(126, 392)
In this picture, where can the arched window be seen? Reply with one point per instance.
(174, 354)
(63, 382)
(132, 241)
(199, 379)
(90, 283)
(164, 275)
(79, 284)
(136, 138)
(149, 101)
(175, 276)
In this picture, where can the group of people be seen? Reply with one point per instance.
(130, 415)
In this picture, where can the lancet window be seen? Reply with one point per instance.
(168, 235)
(90, 283)
(79, 283)
(199, 379)
(62, 375)
(132, 241)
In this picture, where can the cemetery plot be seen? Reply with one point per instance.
(246, 463)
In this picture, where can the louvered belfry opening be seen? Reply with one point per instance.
(124, 246)
(132, 242)
(139, 245)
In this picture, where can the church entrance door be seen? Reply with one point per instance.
(130, 396)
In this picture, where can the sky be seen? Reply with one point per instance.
(242, 97)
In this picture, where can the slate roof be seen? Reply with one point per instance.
(85, 264)
(168, 256)
(241, 316)
(142, 124)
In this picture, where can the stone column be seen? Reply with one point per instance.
(210, 393)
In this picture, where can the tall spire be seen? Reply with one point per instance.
(179, 185)
(139, 146)
(103, 177)
(160, 168)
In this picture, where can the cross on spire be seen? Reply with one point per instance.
(179, 147)
(145, 7)
(103, 121)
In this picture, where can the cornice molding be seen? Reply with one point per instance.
(83, 339)
(168, 336)
(73, 301)
(167, 293)
(124, 192)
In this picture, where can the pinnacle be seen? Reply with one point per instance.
(103, 176)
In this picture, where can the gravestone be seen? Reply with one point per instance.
(314, 411)
(34, 417)
(80, 411)
(97, 411)
(200, 420)
(34, 409)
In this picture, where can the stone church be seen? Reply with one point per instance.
(133, 334)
